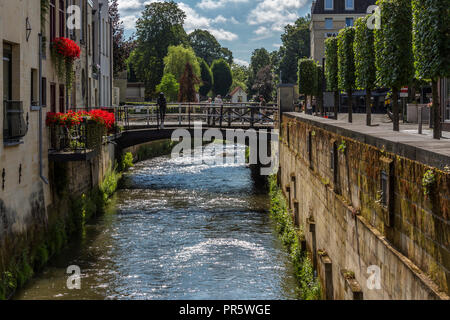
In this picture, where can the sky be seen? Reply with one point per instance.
(239, 25)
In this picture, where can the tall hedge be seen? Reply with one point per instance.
(331, 70)
(431, 47)
(222, 77)
(307, 77)
(346, 65)
(206, 77)
(365, 70)
(393, 49)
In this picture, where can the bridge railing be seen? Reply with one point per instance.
(239, 115)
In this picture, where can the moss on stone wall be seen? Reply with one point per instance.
(66, 218)
(309, 286)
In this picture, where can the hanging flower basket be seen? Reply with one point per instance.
(64, 53)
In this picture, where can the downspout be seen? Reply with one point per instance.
(100, 96)
(41, 174)
(111, 61)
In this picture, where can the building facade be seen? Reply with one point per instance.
(30, 87)
(330, 16)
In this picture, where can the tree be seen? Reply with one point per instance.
(160, 26)
(319, 88)
(121, 47)
(264, 82)
(170, 86)
(176, 59)
(260, 58)
(331, 70)
(240, 76)
(205, 45)
(296, 45)
(431, 47)
(346, 65)
(222, 77)
(227, 55)
(365, 70)
(206, 77)
(307, 77)
(188, 83)
(393, 49)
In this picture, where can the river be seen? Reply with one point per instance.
(177, 230)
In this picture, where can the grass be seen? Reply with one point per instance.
(309, 286)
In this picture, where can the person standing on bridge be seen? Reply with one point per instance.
(218, 101)
(162, 103)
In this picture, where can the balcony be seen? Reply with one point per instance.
(14, 125)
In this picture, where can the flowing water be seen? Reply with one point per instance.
(177, 230)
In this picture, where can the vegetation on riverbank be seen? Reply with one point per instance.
(291, 236)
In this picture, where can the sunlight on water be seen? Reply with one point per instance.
(179, 230)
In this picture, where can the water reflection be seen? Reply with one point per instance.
(178, 230)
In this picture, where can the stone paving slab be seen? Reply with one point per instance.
(422, 148)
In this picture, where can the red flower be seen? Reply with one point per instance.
(67, 48)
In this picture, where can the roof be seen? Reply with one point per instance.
(236, 90)
(318, 7)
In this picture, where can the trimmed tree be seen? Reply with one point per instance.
(365, 70)
(431, 46)
(307, 77)
(207, 79)
(170, 86)
(188, 83)
(222, 77)
(393, 49)
(177, 58)
(319, 89)
(331, 70)
(346, 65)
(264, 82)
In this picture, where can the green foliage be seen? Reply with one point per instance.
(319, 86)
(127, 161)
(431, 38)
(393, 44)
(264, 84)
(307, 76)
(206, 77)
(342, 147)
(170, 86)
(260, 59)
(296, 45)
(207, 47)
(346, 59)
(365, 70)
(222, 77)
(160, 26)
(331, 63)
(110, 182)
(176, 60)
(428, 181)
(240, 76)
(309, 286)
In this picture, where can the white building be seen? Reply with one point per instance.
(238, 95)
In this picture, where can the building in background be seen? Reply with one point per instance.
(330, 16)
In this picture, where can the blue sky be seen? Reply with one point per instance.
(240, 25)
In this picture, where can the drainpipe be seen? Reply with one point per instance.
(111, 59)
(41, 174)
(100, 98)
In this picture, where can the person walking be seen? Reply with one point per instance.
(308, 107)
(162, 103)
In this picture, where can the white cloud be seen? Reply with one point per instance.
(241, 62)
(233, 20)
(275, 13)
(222, 34)
(261, 31)
(215, 4)
(277, 45)
(220, 19)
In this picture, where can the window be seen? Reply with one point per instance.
(349, 4)
(7, 72)
(44, 92)
(62, 19)
(349, 22)
(34, 90)
(328, 23)
(52, 97)
(61, 98)
(52, 20)
(328, 4)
